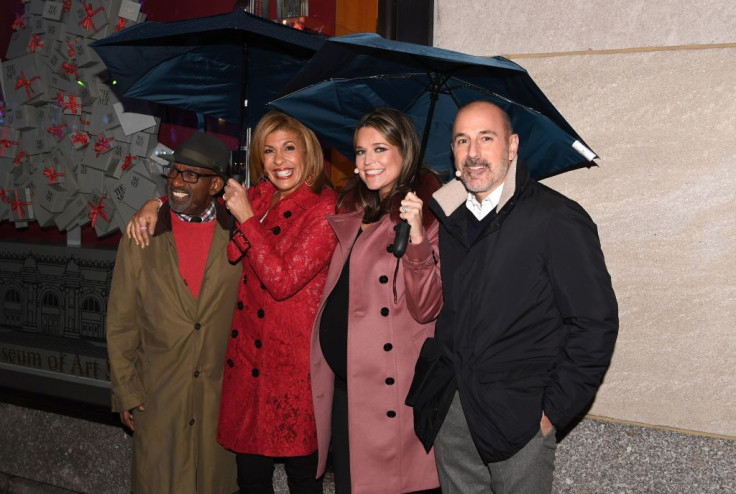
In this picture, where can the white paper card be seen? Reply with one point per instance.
(160, 149)
(53, 10)
(132, 122)
(129, 10)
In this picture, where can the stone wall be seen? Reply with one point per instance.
(650, 87)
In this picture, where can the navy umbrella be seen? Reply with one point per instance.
(352, 74)
(208, 65)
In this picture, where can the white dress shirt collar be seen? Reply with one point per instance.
(481, 209)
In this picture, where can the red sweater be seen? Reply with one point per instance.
(193, 246)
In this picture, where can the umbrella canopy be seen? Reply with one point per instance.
(352, 74)
(208, 65)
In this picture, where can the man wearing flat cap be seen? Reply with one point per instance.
(169, 314)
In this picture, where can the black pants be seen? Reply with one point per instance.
(340, 441)
(255, 474)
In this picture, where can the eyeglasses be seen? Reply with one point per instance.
(188, 176)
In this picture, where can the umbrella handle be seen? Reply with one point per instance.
(401, 240)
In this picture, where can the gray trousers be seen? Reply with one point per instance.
(462, 471)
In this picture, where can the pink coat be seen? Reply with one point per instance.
(384, 339)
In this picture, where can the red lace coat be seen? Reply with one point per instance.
(266, 406)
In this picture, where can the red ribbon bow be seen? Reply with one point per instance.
(17, 205)
(80, 138)
(69, 69)
(87, 23)
(5, 142)
(57, 131)
(121, 24)
(72, 104)
(67, 5)
(60, 98)
(19, 22)
(52, 175)
(128, 163)
(26, 83)
(102, 145)
(4, 196)
(70, 48)
(98, 210)
(36, 42)
(19, 157)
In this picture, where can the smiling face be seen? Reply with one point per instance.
(378, 161)
(483, 147)
(284, 157)
(192, 199)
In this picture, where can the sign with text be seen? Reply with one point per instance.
(53, 310)
(73, 364)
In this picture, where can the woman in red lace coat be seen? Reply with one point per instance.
(284, 242)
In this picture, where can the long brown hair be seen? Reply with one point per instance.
(314, 160)
(399, 131)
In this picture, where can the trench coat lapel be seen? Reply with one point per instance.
(218, 247)
(346, 228)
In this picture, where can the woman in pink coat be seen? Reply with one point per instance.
(375, 313)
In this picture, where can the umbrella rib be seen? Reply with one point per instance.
(467, 85)
(435, 87)
(443, 87)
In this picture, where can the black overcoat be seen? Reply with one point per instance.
(529, 319)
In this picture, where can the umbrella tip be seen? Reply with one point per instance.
(584, 150)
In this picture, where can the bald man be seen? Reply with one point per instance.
(529, 319)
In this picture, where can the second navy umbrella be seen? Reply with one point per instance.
(352, 74)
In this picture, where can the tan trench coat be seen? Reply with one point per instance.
(166, 350)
